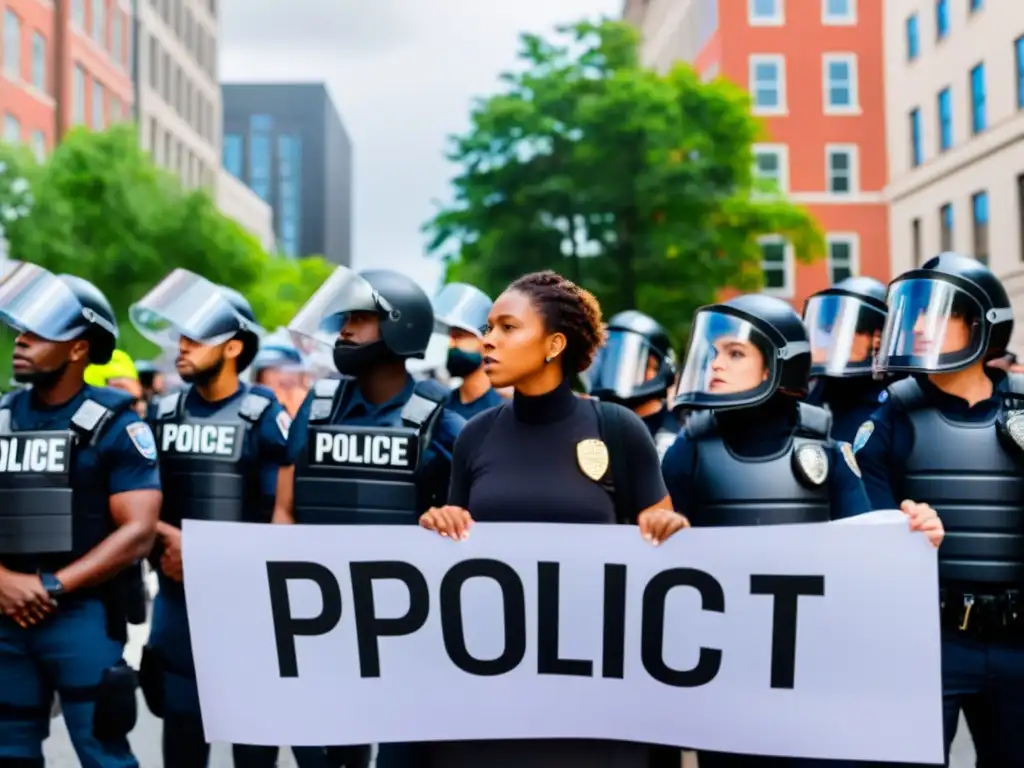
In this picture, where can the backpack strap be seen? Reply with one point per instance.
(610, 417)
(96, 412)
(254, 405)
(169, 406)
(327, 396)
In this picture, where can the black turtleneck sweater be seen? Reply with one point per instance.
(518, 463)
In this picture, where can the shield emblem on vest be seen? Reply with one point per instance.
(1015, 427)
(811, 463)
(592, 456)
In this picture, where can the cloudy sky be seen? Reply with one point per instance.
(402, 74)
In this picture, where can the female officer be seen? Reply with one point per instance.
(519, 463)
(751, 452)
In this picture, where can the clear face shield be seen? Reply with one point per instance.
(623, 365)
(729, 363)
(187, 305)
(462, 307)
(844, 332)
(34, 300)
(316, 327)
(932, 326)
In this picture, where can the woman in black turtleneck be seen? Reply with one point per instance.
(518, 463)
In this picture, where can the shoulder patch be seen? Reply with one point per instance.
(883, 396)
(863, 435)
(851, 460)
(142, 438)
(284, 423)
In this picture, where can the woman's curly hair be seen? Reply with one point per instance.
(568, 309)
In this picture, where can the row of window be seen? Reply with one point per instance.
(778, 263)
(842, 161)
(104, 107)
(912, 25)
(772, 13)
(175, 87)
(197, 41)
(175, 156)
(107, 26)
(13, 135)
(767, 83)
(946, 221)
(977, 89)
(13, 53)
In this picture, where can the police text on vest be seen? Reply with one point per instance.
(201, 439)
(34, 454)
(372, 450)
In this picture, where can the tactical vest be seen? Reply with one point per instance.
(974, 479)
(790, 486)
(363, 475)
(39, 512)
(205, 470)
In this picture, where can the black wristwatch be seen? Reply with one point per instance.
(52, 585)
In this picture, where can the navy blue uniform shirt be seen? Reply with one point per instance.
(356, 411)
(753, 433)
(884, 442)
(487, 400)
(850, 401)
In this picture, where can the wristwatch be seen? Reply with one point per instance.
(52, 585)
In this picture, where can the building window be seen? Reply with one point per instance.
(768, 84)
(39, 145)
(233, 144)
(12, 44)
(838, 12)
(259, 155)
(945, 110)
(841, 167)
(39, 62)
(771, 165)
(98, 98)
(765, 13)
(12, 129)
(154, 64)
(941, 19)
(979, 112)
(289, 159)
(1018, 46)
(116, 37)
(78, 86)
(915, 241)
(78, 13)
(99, 22)
(946, 227)
(840, 70)
(916, 153)
(842, 256)
(775, 263)
(979, 223)
(977, 5)
(913, 39)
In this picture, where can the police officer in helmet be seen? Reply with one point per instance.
(635, 368)
(344, 473)
(279, 366)
(220, 443)
(844, 324)
(752, 453)
(950, 435)
(82, 455)
(460, 313)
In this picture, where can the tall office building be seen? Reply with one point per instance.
(815, 75)
(287, 143)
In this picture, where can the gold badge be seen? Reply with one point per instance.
(592, 456)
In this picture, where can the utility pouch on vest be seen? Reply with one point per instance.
(151, 680)
(116, 708)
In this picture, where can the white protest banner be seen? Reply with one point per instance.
(810, 641)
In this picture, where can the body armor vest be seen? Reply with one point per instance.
(362, 475)
(974, 478)
(39, 514)
(206, 471)
(790, 486)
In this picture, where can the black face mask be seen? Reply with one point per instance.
(352, 359)
(205, 376)
(462, 363)
(42, 380)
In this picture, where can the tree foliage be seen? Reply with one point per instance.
(637, 184)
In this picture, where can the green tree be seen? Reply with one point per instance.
(637, 184)
(284, 285)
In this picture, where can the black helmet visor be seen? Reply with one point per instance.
(843, 331)
(623, 365)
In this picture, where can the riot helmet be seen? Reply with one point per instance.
(742, 352)
(460, 312)
(278, 351)
(58, 308)
(403, 309)
(944, 316)
(844, 325)
(636, 363)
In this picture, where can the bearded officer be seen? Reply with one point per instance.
(221, 443)
(950, 434)
(81, 499)
(844, 324)
(460, 312)
(373, 447)
(635, 368)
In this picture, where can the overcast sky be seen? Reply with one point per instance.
(402, 74)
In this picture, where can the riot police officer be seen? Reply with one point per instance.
(635, 368)
(844, 324)
(460, 312)
(279, 366)
(950, 434)
(81, 498)
(373, 446)
(752, 453)
(220, 444)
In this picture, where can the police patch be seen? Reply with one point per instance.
(142, 438)
(883, 396)
(863, 435)
(284, 423)
(851, 461)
